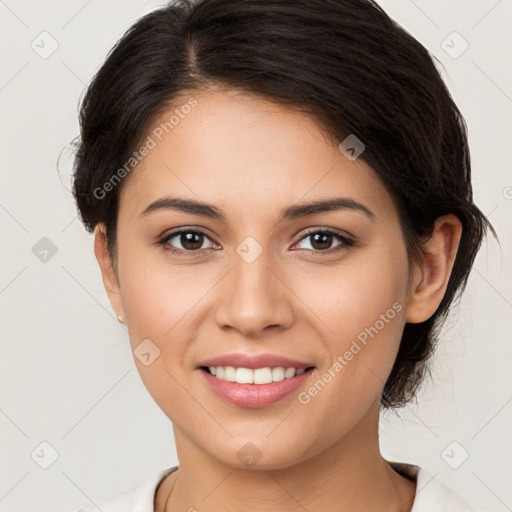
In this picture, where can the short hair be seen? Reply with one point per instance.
(345, 63)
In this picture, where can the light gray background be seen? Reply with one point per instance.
(67, 375)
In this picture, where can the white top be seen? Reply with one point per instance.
(431, 496)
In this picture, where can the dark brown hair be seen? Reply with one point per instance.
(344, 62)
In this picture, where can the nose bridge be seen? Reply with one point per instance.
(251, 268)
(255, 297)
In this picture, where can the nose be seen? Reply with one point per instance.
(253, 297)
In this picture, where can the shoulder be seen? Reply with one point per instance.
(431, 494)
(138, 499)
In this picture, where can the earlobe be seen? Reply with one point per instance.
(108, 274)
(431, 279)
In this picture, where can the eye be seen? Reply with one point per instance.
(191, 241)
(322, 239)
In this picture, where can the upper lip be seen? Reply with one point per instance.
(254, 361)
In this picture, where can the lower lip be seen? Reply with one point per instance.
(254, 395)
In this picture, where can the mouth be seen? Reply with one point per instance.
(255, 387)
(255, 376)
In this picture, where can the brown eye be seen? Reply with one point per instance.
(191, 241)
(321, 240)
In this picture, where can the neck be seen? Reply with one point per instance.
(348, 476)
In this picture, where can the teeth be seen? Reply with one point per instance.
(258, 376)
(230, 374)
(244, 376)
(289, 372)
(263, 376)
(278, 374)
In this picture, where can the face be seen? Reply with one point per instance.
(258, 274)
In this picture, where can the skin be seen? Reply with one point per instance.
(251, 159)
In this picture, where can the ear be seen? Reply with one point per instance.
(430, 279)
(110, 280)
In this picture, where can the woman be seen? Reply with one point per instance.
(280, 194)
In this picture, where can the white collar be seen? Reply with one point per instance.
(431, 495)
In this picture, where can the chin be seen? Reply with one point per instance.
(259, 456)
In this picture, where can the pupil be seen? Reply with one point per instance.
(187, 240)
(325, 239)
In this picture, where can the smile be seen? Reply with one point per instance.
(254, 388)
(253, 376)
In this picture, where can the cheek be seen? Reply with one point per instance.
(361, 306)
(358, 293)
(159, 301)
(157, 292)
(165, 303)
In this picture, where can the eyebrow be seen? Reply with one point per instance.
(288, 213)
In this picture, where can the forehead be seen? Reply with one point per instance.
(244, 153)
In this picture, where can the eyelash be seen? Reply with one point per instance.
(346, 241)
